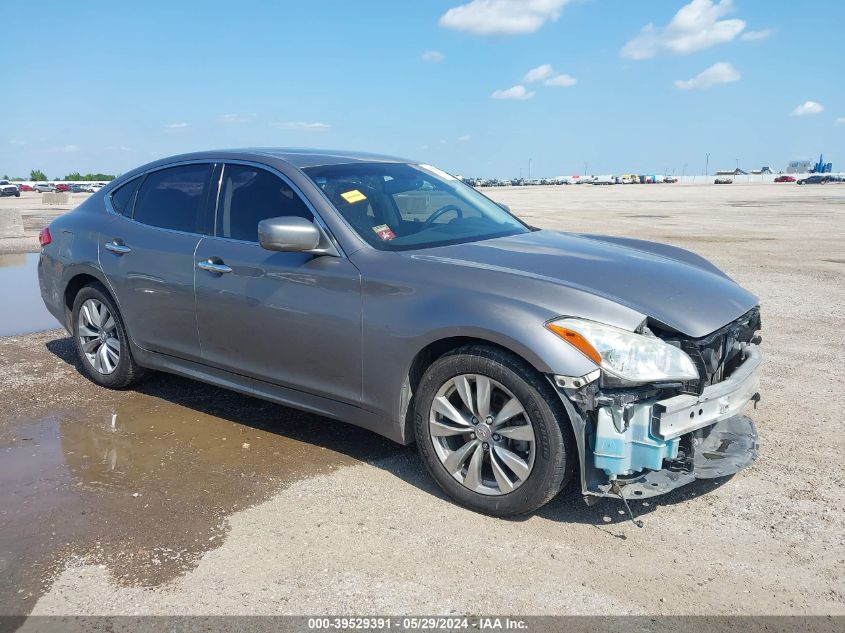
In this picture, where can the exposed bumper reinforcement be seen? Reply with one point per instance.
(682, 414)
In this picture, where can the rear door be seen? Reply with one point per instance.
(293, 319)
(147, 254)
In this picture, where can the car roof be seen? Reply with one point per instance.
(299, 157)
(312, 157)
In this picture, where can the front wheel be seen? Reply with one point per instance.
(491, 433)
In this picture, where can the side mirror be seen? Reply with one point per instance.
(288, 234)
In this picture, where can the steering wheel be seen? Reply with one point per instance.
(441, 211)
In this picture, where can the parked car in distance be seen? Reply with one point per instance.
(9, 189)
(95, 187)
(45, 187)
(391, 295)
(77, 188)
(785, 179)
(723, 181)
(606, 179)
(670, 179)
(814, 180)
(26, 188)
(62, 187)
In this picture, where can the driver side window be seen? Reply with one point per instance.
(250, 194)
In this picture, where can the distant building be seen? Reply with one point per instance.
(822, 167)
(761, 171)
(798, 167)
(731, 172)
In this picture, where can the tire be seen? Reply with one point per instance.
(114, 367)
(442, 443)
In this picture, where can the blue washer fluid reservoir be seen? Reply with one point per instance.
(633, 449)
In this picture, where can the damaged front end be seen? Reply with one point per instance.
(639, 441)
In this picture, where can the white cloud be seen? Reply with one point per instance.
(753, 36)
(547, 75)
(561, 81)
(116, 148)
(516, 93)
(808, 107)
(177, 126)
(465, 138)
(64, 149)
(502, 17)
(696, 26)
(16, 141)
(305, 126)
(236, 118)
(840, 120)
(433, 56)
(538, 74)
(721, 73)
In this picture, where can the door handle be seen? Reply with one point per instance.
(214, 267)
(117, 247)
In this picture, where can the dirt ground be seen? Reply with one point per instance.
(179, 498)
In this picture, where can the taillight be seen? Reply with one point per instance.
(44, 237)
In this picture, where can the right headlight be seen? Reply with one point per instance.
(632, 357)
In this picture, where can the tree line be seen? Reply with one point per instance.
(37, 175)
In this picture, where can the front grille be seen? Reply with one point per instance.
(718, 354)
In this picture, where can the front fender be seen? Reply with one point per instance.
(403, 314)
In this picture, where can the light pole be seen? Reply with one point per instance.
(585, 168)
(707, 165)
(529, 169)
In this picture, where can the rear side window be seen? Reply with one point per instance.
(174, 198)
(251, 194)
(124, 197)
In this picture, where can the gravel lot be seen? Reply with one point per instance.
(180, 498)
(35, 216)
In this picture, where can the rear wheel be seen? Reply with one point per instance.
(101, 341)
(491, 433)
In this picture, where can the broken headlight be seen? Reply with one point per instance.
(629, 356)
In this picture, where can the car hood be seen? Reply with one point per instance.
(678, 289)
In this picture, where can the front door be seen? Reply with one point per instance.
(147, 255)
(293, 319)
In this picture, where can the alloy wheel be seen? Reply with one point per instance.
(482, 434)
(98, 336)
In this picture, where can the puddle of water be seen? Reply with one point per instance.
(143, 481)
(19, 283)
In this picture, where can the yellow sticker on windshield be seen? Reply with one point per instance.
(353, 196)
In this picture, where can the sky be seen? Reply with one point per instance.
(476, 87)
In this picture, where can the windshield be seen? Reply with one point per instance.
(397, 206)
